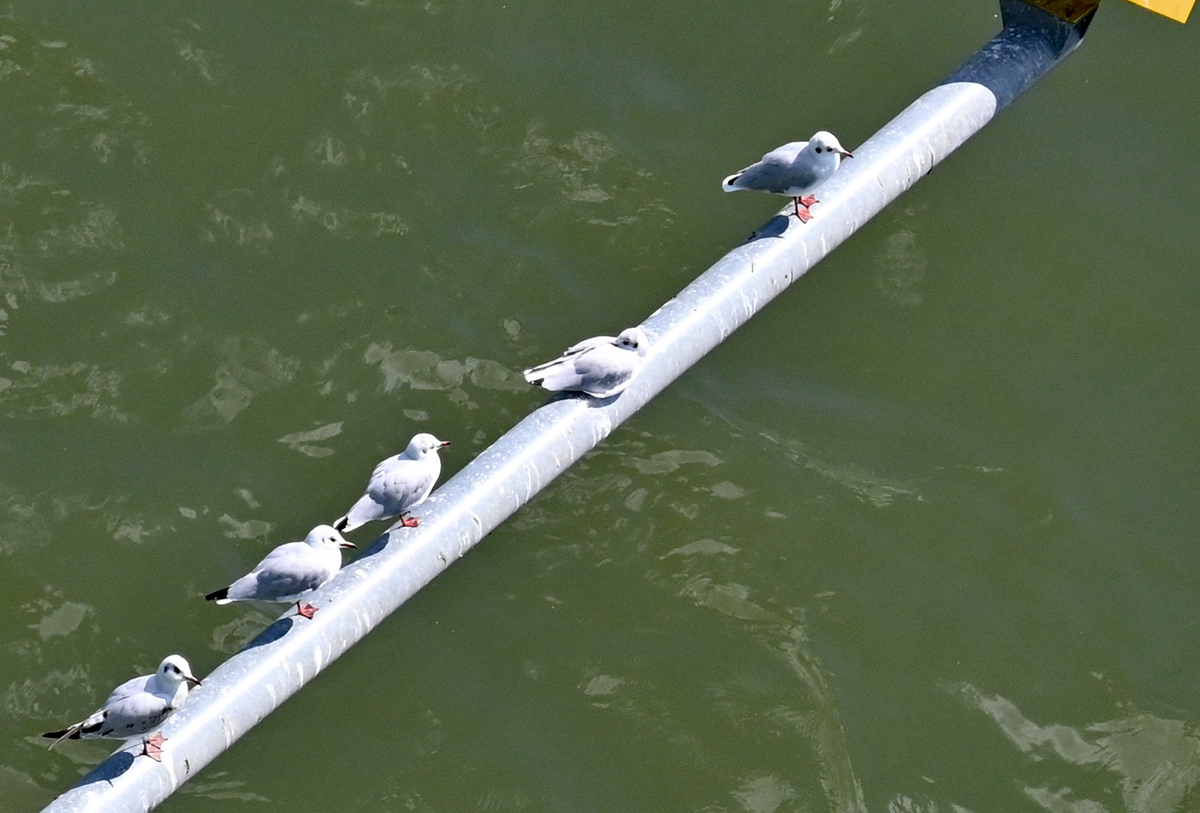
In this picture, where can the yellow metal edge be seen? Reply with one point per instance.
(1177, 10)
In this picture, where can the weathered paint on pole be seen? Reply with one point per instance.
(290, 652)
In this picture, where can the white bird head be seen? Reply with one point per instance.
(826, 145)
(325, 536)
(422, 445)
(173, 671)
(633, 338)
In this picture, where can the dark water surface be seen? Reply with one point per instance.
(921, 537)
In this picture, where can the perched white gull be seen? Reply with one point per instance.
(398, 485)
(600, 366)
(794, 170)
(290, 572)
(136, 707)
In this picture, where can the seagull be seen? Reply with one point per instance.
(290, 572)
(135, 707)
(601, 366)
(398, 485)
(793, 170)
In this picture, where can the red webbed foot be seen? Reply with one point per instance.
(152, 746)
(802, 205)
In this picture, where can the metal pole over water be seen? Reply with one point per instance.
(291, 651)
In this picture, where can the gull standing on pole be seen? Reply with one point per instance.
(794, 170)
(135, 707)
(290, 572)
(398, 485)
(601, 366)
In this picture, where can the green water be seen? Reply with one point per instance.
(920, 537)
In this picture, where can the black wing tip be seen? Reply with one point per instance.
(58, 735)
(217, 595)
(340, 525)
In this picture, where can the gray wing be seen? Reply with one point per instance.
(606, 370)
(600, 370)
(284, 574)
(133, 715)
(535, 375)
(777, 172)
(555, 375)
(786, 154)
(595, 341)
(403, 484)
(85, 729)
(129, 711)
(364, 511)
(398, 484)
